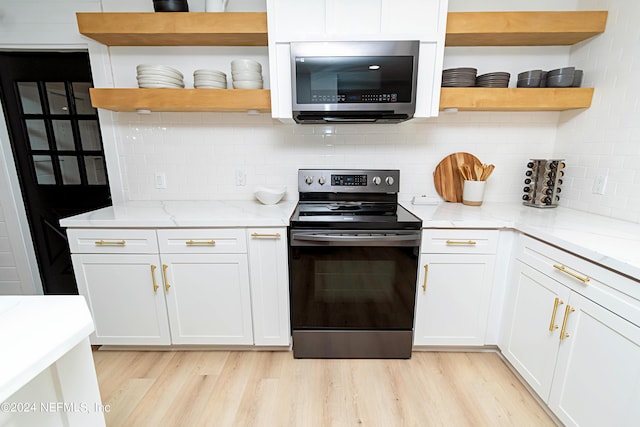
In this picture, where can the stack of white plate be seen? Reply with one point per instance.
(246, 74)
(159, 76)
(209, 79)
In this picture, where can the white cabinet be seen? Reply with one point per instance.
(269, 278)
(123, 289)
(357, 20)
(597, 378)
(454, 287)
(208, 298)
(564, 337)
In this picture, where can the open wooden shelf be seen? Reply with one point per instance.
(515, 99)
(523, 28)
(182, 100)
(175, 28)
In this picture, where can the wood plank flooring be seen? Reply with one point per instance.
(251, 388)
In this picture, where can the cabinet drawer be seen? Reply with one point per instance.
(203, 241)
(459, 241)
(613, 291)
(112, 241)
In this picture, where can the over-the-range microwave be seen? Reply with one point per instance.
(354, 82)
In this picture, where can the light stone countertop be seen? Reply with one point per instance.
(612, 243)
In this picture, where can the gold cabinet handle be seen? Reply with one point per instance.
(552, 325)
(462, 242)
(265, 235)
(153, 277)
(164, 276)
(567, 311)
(583, 279)
(200, 243)
(424, 284)
(110, 242)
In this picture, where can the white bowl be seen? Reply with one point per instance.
(239, 65)
(245, 84)
(268, 195)
(209, 72)
(208, 80)
(247, 75)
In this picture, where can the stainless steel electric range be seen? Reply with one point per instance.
(353, 261)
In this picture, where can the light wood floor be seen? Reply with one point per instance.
(247, 388)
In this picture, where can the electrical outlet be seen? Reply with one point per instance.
(599, 184)
(161, 180)
(241, 177)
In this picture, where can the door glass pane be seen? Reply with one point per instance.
(37, 134)
(63, 134)
(82, 99)
(69, 169)
(96, 173)
(30, 98)
(57, 95)
(44, 170)
(90, 135)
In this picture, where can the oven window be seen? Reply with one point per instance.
(353, 287)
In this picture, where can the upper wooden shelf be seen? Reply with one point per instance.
(523, 28)
(250, 28)
(183, 100)
(175, 28)
(515, 99)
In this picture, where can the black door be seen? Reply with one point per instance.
(57, 148)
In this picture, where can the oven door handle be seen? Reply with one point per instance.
(354, 238)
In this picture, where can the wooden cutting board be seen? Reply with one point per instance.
(447, 177)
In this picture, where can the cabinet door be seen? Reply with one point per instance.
(208, 298)
(453, 297)
(126, 306)
(533, 334)
(597, 379)
(269, 286)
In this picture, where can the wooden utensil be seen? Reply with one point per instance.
(487, 172)
(447, 177)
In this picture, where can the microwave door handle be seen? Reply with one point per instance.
(353, 238)
(343, 119)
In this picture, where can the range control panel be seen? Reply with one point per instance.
(348, 181)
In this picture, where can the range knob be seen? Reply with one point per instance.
(376, 180)
(308, 180)
(321, 180)
(389, 180)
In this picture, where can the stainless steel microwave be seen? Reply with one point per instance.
(354, 82)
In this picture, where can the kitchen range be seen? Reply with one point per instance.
(353, 258)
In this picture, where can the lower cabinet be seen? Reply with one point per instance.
(126, 297)
(208, 298)
(454, 287)
(578, 356)
(184, 286)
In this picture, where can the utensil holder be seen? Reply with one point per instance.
(543, 181)
(473, 192)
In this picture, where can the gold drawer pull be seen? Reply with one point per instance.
(268, 236)
(461, 242)
(583, 279)
(552, 325)
(110, 242)
(567, 311)
(424, 284)
(153, 276)
(200, 243)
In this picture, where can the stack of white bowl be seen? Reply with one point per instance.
(246, 74)
(209, 79)
(159, 76)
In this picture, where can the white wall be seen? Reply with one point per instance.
(605, 139)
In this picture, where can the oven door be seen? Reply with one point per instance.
(352, 289)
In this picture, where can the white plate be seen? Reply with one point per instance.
(209, 72)
(210, 84)
(158, 86)
(247, 75)
(159, 76)
(159, 82)
(209, 77)
(247, 85)
(159, 69)
(207, 87)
